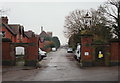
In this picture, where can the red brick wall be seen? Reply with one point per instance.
(6, 51)
(8, 34)
(32, 51)
(25, 40)
(86, 47)
(19, 38)
(115, 51)
(41, 45)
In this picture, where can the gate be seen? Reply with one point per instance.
(101, 57)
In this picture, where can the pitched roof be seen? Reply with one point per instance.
(44, 34)
(15, 27)
(26, 35)
(29, 33)
(8, 28)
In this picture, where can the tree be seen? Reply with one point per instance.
(112, 10)
(56, 42)
(75, 24)
(99, 25)
(48, 44)
(73, 40)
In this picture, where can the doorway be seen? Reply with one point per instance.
(20, 54)
(100, 56)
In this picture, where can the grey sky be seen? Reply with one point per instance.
(50, 15)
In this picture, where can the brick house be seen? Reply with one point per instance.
(13, 35)
(15, 32)
(6, 31)
(45, 40)
(20, 34)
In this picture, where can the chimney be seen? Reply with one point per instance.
(41, 28)
(49, 33)
(4, 20)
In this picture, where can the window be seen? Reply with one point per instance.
(3, 33)
(20, 50)
(0, 33)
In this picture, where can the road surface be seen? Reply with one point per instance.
(61, 66)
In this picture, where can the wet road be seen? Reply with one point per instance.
(61, 66)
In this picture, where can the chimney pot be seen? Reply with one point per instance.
(41, 28)
(5, 20)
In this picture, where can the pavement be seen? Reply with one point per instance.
(60, 66)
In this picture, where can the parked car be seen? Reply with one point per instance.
(70, 50)
(78, 53)
(54, 49)
(39, 56)
(42, 54)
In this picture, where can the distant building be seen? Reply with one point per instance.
(45, 40)
(49, 33)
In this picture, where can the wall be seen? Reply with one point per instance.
(6, 58)
(115, 53)
(41, 45)
(86, 47)
(32, 52)
(86, 41)
(6, 51)
(8, 34)
(25, 40)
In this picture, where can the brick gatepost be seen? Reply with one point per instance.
(7, 58)
(115, 52)
(32, 52)
(86, 50)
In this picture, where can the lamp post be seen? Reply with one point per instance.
(87, 21)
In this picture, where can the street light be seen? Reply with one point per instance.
(87, 21)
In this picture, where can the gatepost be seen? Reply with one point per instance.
(32, 52)
(115, 52)
(86, 50)
(7, 58)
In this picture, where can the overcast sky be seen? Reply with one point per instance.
(33, 14)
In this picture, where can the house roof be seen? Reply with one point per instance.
(8, 28)
(26, 35)
(29, 33)
(44, 34)
(15, 27)
(36, 35)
